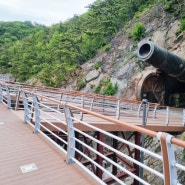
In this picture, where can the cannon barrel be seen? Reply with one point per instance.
(162, 59)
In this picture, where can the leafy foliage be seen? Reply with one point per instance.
(181, 26)
(13, 31)
(138, 31)
(81, 85)
(97, 65)
(106, 88)
(50, 54)
(174, 6)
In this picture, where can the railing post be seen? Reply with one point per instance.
(82, 106)
(103, 103)
(170, 171)
(71, 136)
(139, 109)
(118, 110)
(37, 114)
(1, 94)
(144, 102)
(8, 97)
(91, 106)
(167, 115)
(155, 111)
(17, 98)
(26, 108)
(183, 122)
(58, 108)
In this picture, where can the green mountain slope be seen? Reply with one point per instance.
(50, 54)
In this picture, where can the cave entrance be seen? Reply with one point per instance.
(158, 87)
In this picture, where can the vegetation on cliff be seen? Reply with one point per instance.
(50, 54)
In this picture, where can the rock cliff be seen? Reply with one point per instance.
(120, 63)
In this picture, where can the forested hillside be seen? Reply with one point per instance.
(50, 54)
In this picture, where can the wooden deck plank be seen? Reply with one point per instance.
(19, 146)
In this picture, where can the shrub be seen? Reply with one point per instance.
(168, 6)
(138, 31)
(111, 89)
(181, 26)
(80, 85)
(106, 87)
(97, 65)
(106, 48)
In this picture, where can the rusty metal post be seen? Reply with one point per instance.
(115, 146)
(100, 137)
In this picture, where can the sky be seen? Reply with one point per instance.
(46, 12)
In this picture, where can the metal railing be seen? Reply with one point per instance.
(111, 106)
(62, 124)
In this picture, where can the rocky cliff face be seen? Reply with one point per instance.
(120, 63)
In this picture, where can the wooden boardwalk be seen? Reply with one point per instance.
(156, 124)
(20, 147)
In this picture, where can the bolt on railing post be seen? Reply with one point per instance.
(71, 136)
(118, 110)
(8, 97)
(167, 115)
(145, 105)
(26, 108)
(168, 154)
(37, 114)
(1, 94)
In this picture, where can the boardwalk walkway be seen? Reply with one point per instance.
(19, 147)
(92, 129)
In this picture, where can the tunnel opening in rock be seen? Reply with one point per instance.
(158, 87)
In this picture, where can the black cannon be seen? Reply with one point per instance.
(166, 85)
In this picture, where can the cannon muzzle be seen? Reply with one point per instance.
(162, 59)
